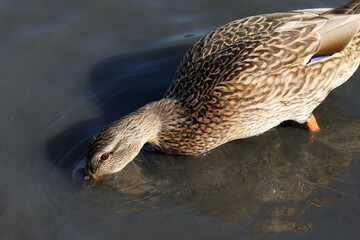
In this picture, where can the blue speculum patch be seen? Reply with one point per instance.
(318, 57)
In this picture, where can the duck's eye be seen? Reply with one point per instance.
(104, 156)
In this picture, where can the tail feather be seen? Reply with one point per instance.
(350, 8)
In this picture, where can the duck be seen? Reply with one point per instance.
(239, 81)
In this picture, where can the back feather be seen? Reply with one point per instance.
(352, 7)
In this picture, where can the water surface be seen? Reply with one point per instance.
(69, 68)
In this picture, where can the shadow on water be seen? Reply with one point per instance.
(118, 85)
(269, 181)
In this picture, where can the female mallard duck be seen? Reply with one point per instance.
(238, 81)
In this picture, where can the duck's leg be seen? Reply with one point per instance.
(312, 124)
(313, 127)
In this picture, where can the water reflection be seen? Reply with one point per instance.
(269, 181)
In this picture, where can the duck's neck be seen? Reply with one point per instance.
(169, 127)
(156, 117)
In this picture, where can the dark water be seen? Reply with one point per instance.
(70, 67)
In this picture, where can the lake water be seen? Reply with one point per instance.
(70, 67)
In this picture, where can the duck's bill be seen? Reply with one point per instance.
(93, 176)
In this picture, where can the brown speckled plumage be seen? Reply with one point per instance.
(250, 75)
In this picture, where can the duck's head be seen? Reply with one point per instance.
(112, 148)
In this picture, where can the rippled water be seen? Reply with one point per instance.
(70, 67)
